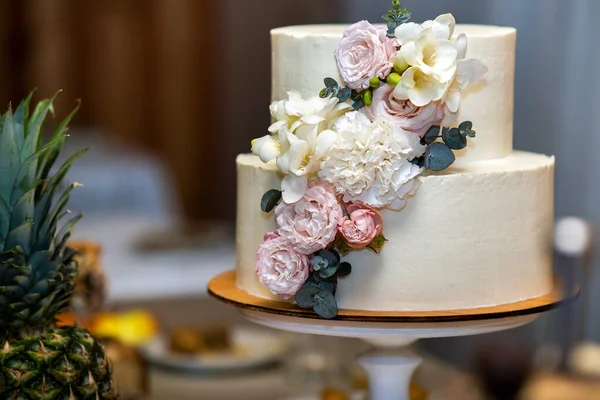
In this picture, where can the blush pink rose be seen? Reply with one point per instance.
(361, 226)
(310, 224)
(403, 113)
(364, 52)
(280, 268)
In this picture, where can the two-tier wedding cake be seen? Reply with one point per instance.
(388, 181)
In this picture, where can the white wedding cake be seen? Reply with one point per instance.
(395, 188)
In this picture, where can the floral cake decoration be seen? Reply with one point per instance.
(358, 147)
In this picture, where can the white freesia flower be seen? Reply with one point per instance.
(266, 147)
(442, 70)
(419, 87)
(370, 162)
(300, 139)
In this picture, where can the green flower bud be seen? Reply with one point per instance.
(368, 97)
(400, 64)
(394, 78)
(374, 82)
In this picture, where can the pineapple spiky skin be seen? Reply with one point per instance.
(37, 270)
(65, 364)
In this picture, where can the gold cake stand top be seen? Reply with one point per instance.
(224, 288)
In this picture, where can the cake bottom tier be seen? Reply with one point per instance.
(474, 236)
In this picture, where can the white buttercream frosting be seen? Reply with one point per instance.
(303, 56)
(473, 236)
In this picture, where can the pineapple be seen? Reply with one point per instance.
(38, 270)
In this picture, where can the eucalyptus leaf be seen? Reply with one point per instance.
(344, 269)
(328, 272)
(332, 256)
(325, 304)
(358, 104)
(455, 139)
(465, 128)
(315, 280)
(344, 94)
(438, 157)
(305, 297)
(331, 83)
(270, 200)
(325, 93)
(432, 134)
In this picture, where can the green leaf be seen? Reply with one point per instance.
(305, 297)
(454, 139)
(315, 280)
(58, 138)
(328, 272)
(358, 104)
(466, 128)
(377, 244)
(9, 162)
(46, 195)
(432, 134)
(270, 200)
(324, 93)
(438, 157)
(332, 256)
(331, 83)
(344, 269)
(325, 304)
(24, 209)
(344, 94)
(20, 236)
(20, 120)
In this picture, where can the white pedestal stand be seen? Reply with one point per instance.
(390, 364)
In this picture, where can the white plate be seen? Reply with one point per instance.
(252, 348)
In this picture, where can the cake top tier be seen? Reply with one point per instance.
(336, 30)
(302, 56)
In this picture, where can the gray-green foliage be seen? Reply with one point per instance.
(37, 271)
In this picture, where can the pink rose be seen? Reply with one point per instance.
(364, 52)
(403, 113)
(310, 224)
(361, 226)
(280, 268)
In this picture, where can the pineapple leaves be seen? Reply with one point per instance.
(58, 137)
(4, 221)
(44, 203)
(23, 210)
(20, 236)
(65, 233)
(9, 162)
(20, 119)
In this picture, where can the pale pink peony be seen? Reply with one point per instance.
(310, 224)
(403, 113)
(364, 52)
(280, 268)
(361, 226)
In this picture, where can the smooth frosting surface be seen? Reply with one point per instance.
(476, 235)
(302, 56)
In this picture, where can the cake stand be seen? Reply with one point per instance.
(391, 363)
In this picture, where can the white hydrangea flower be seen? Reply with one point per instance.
(370, 162)
(301, 138)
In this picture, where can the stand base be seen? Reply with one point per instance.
(391, 364)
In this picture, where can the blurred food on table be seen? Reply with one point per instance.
(91, 280)
(209, 340)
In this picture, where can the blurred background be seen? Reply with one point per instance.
(173, 90)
